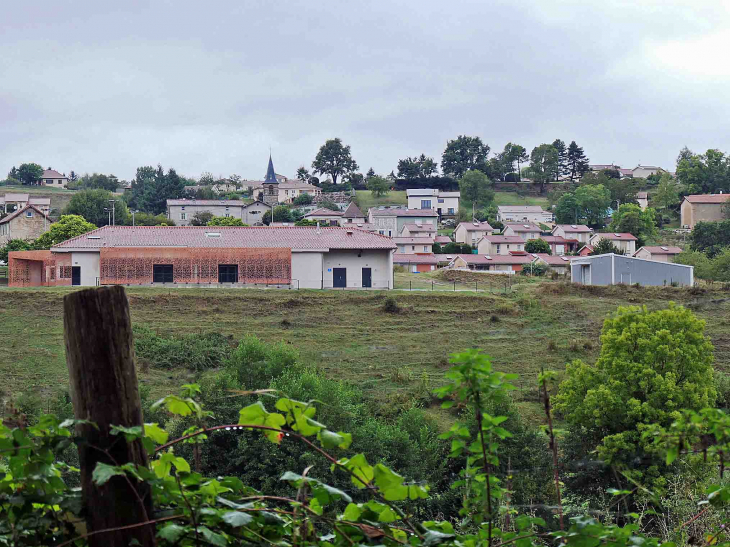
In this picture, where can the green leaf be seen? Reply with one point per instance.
(315, 506)
(330, 439)
(156, 433)
(237, 518)
(352, 513)
(211, 537)
(171, 533)
(103, 472)
(256, 414)
(176, 405)
(360, 468)
(433, 537)
(672, 454)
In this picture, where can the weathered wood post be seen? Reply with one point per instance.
(103, 380)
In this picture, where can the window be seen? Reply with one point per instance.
(227, 215)
(498, 246)
(425, 204)
(413, 247)
(381, 232)
(441, 200)
(29, 214)
(390, 233)
(183, 216)
(182, 208)
(162, 273)
(425, 248)
(508, 246)
(228, 273)
(451, 210)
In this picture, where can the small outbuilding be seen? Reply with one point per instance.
(613, 269)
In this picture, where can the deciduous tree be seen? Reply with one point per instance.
(68, 226)
(464, 154)
(543, 164)
(29, 173)
(334, 159)
(651, 365)
(631, 219)
(201, 218)
(667, 192)
(93, 205)
(378, 186)
(303, 174)
(226, 221)
(538, 246)
(476, 188)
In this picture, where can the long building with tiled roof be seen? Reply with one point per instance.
(290, 256)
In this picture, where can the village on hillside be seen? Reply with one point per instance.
(595, 226)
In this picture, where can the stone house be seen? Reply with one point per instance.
(27, 223)
(703, 208)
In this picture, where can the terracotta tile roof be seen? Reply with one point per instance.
(557, 239)
(707, 198)
(323, 212)
(476, 227)
(414, 240)
(353, 211)
(554, 260)
(207, 202)
(662, 250)
(295, 237)
(402, 212)
(19, 211)
(16, 197)
(504, 239)
(445, 257)
(39, 201)
(401, 258)
(573, 228)
(442, 239)
(52, 174)
(421, 228)
(617, 237)
(497, 259)
(522, 227)
(297, 185)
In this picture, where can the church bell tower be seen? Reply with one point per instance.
(271, 186)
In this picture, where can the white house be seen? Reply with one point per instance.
(579, 232)
(51, 177)
(333, 218)
(471, 232)
(664, 253)
(353, 214)
(525, 231)
(389, 221)
(182, 211)
(253, 213)
(446, 204)
(643, 171)
(500, 245)
(418, 230)
(625, 242)
(414, 245)
(523, 213)
(642, 198)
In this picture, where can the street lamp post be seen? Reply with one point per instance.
(113, 202)
(109, 213)
(133, 213)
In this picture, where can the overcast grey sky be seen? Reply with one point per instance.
(209, 86)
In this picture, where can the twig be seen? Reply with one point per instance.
(127, 527)
(190, 508)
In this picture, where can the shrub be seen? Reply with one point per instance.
(255, 364)
(391, 305)
(194, 351)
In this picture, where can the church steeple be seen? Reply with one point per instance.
(270, 173)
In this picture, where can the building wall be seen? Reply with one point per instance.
(615, 269)
(89, 264)
(175, 211)
(583, 237)
(415, 248)
(57, 183)
(692, 213)
(385, 225)
(486, 247)
(380, 261)
(22, 227)
(544, 216)
(254, 213)
(508, 231)
(628, 246)
(38, 268)
(646, 255)
(306, 270)
(402, 221)
(470, 237)
(448, 203)
(643, 203)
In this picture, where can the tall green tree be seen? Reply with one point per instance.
(577, 161)
(562, 166)
(420, 167)
(378, 186)
(622, 190)
(282, 213)
(476, 188)
(631, 219)
(93, 206)
(334, 159)
(152, 187)
(464, 154)
(29, 173)
(303, 174)
(568, 210)
(651, 365)
(538, 246)
(14, 245)
(98, 181)
(667, 192)
(68, 226)
(710, 237)
(606, 246)
(543, 164)
(707, 173)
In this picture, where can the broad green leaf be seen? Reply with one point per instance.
(103, 472)
(171, 533)
(330, 439)
(256, 414)
(360, 468)
(237, 518)
(352, 513)
(211, 537)
(315, 506)
(156, 433)
(130, 433)
(672, 454)
(433, 537)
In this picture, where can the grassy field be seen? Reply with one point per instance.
(59, 196)
(513, 198)
(348, 335)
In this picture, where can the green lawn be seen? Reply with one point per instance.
(366, 200)
(347, 335)
(513, 198)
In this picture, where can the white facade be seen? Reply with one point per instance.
(88, 262)
(523, 213)
(471, 233)
(380, 264)
(182, 212)
(253, 213)
(498, 247)
(573, 231)
(444, 203)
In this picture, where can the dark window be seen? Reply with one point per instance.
(162, 273)
(227, 273)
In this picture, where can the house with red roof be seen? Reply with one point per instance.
(504, 264)
(625, 242)
(703, 208)
(471, 232)
(662, 253)
(579, 232)
(500, 245)
(287, 256)
(325, 216)
(27, 223)
(557, 264)
(416, 263)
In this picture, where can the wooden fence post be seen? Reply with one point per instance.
(103, 380)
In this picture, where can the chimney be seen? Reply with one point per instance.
(349, 233)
